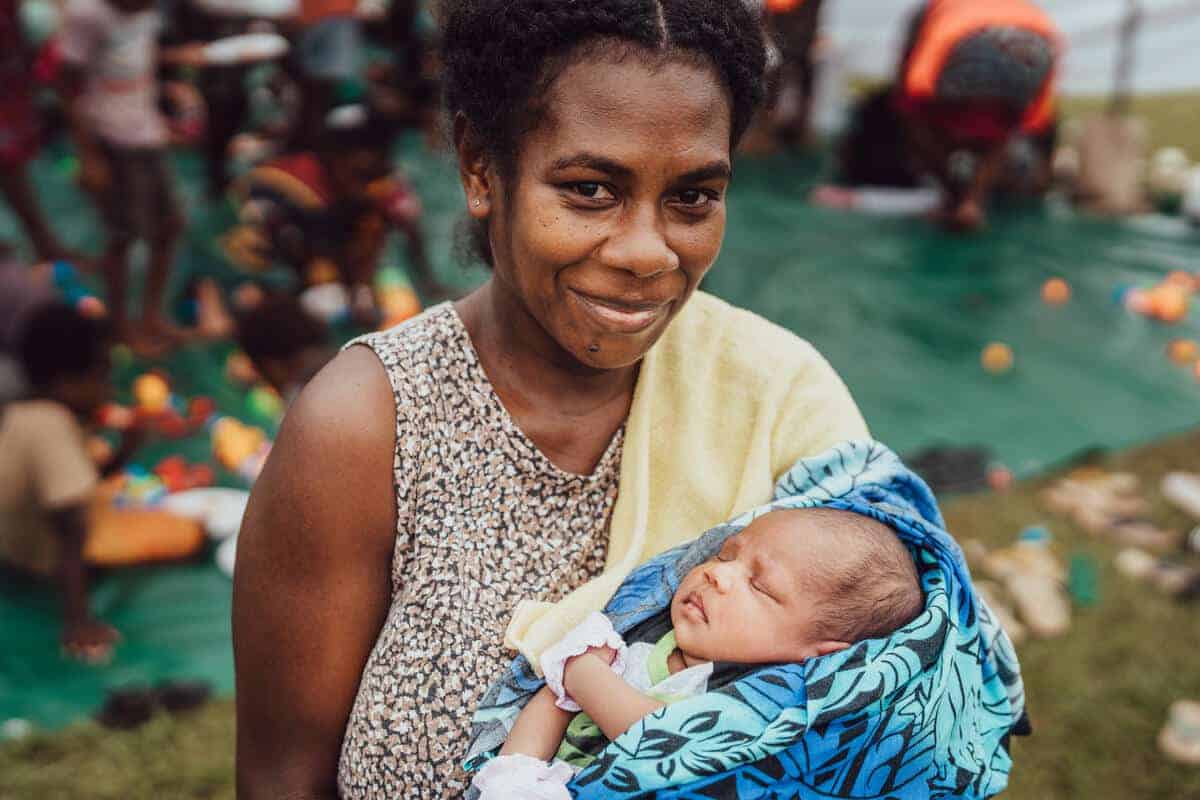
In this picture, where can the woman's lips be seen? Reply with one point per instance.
(621, 316)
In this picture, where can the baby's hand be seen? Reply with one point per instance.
(606, 654)
(595, 635)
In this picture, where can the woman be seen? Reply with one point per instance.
(559, 419)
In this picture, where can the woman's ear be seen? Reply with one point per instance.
(474, 169)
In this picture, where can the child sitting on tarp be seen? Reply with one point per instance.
(794, 585)
(51, 523)
(863, 690)
(286, 344)
(326, 213)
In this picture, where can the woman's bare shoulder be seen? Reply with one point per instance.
(350, 401)
(334, 449)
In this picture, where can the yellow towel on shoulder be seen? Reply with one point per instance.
(725, 403)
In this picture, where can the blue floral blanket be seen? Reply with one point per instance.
(924, 713)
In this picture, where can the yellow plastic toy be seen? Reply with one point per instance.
(152, 393)
(997, 358)
(234, 442)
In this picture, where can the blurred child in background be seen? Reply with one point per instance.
(22, 290)
(326, 213)
(47, 478)
(109, 78)
(19, 134)
(287, 345)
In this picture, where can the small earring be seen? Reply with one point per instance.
(478, 203)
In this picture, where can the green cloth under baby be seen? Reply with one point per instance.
(647, 670)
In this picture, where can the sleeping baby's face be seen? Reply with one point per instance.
(794, 585)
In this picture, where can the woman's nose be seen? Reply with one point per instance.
(640, 247)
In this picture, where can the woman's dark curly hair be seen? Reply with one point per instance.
(501, 56)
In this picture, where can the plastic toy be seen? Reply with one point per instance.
(179, 476)
(91, 306)
(139, 489)
(115, 417)
(999, 478)
(240, 448)
(200, 410)
(1083, 581)
(265, 402)
(152, 394)
(1183, 351)
(398, 304)
(1056, 292)
(997, 358)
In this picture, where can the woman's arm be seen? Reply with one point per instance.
(312, 584)
(540, 728)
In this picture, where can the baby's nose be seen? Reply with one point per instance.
(717, 576)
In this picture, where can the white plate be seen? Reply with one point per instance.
(259, 9)
(245, 49)
(227, 555)
(220, 511)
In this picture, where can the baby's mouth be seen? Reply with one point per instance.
(696, 604)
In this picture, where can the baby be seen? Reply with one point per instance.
(793, 585)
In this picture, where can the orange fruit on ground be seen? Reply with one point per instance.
(1182, 280)
(1183, 351)
(1169, 303)
(1000, 479)
(1056, 292)
(997, 358)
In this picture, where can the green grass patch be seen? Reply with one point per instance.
(1172, 119)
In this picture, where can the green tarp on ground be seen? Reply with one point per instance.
(900, 309)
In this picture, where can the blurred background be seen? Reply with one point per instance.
(203, 199)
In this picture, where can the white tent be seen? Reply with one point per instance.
(869, 32)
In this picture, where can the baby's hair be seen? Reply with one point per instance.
(502, 56)
(869, 583)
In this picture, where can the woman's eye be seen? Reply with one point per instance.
(695, 198)
(592, 191)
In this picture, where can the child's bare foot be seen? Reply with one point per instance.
(159, 327)
(144, 346)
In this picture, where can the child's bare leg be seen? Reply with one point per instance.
(213, 320)
(162, 256)
(114, 265)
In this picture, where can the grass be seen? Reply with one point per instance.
(1173, 119)
(1098, 695)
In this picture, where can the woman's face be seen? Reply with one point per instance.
(617, 206)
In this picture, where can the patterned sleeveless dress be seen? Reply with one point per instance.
(484, 520)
